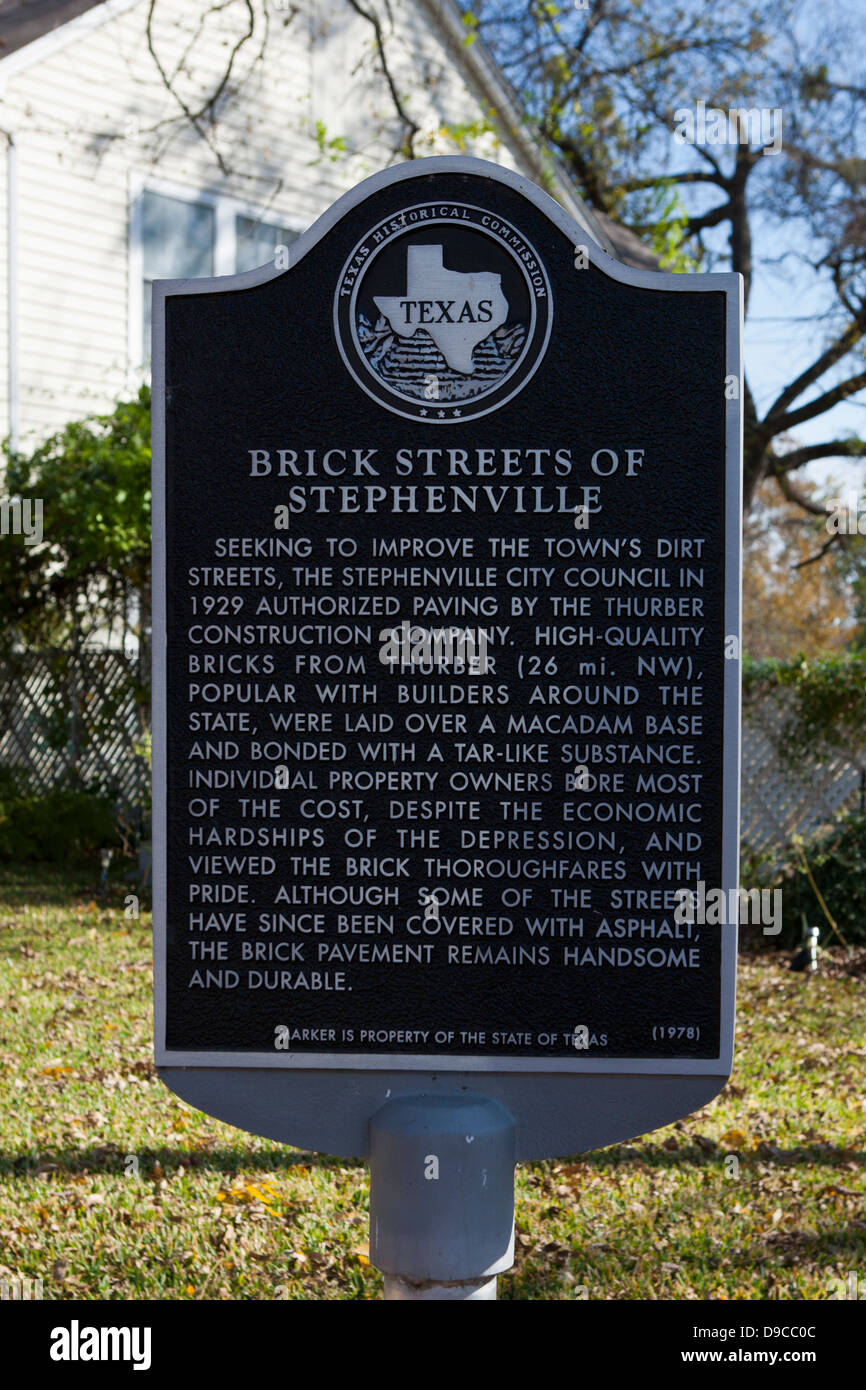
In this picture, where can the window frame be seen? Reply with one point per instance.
(226, 211)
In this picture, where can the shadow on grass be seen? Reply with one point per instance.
(110, 1159)
(538, 1277)
(63, 885)
(690, 1156)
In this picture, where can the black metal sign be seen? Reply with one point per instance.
(446, 673)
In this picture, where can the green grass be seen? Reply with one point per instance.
(111, 1187)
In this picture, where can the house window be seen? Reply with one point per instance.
(257, 241)
(177, 237)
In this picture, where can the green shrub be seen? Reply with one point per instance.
(836, 858)
(58, 826)
(824, 699)
(93, 477)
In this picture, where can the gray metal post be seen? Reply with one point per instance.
(442, 1195)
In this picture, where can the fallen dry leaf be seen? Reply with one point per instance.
(735, 1139)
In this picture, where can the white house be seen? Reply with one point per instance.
(152, 138)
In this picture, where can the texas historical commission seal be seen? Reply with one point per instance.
(443, 312)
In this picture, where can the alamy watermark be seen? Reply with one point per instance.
(22, 516)
(851, 1288)
(18, 1288)
(738, 126)
(718, 907)
(462, 649)
(77, 1343)
(846, 516)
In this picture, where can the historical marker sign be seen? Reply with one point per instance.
(446, 671)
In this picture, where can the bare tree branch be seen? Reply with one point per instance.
(833, 354)
(410, 127)
(203, 127)
(684, 176)
(819, 554)
(708, 219)
(782, 424)
(830, 448)
(793, 494)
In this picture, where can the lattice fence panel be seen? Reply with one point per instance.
(778, 801)
(59, 712)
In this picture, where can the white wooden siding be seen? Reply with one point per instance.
(82, 114)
